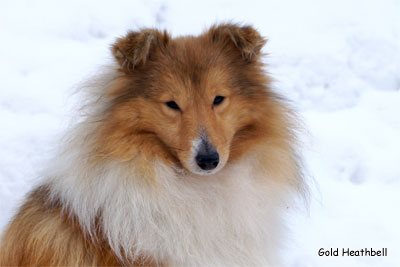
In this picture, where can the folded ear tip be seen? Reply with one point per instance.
(245, 38)
(134, 48)
(116, 52)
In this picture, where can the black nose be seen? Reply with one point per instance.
(207, 161)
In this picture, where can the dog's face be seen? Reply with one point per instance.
(195, 118)
(194, 101)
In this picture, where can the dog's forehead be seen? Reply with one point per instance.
(198, 79)
(196, 51)
(194, 62)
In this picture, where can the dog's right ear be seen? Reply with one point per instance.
(135, 48)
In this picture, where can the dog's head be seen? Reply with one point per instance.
(197, 102)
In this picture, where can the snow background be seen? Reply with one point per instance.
(338, 61)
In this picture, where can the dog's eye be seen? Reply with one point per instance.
(218, 100)
(173, 105)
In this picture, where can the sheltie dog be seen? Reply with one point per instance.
(184, 157)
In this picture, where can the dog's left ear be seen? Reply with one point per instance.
(245, 38)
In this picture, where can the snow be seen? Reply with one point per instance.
(337, 61)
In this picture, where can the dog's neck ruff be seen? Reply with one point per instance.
(230, 218)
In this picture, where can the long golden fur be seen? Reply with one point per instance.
(128, 187)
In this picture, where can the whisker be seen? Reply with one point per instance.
(175, 148)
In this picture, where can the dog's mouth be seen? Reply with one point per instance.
(197, 171)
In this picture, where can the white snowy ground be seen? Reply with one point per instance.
(338, 61)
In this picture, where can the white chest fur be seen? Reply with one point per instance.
(228, 219)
